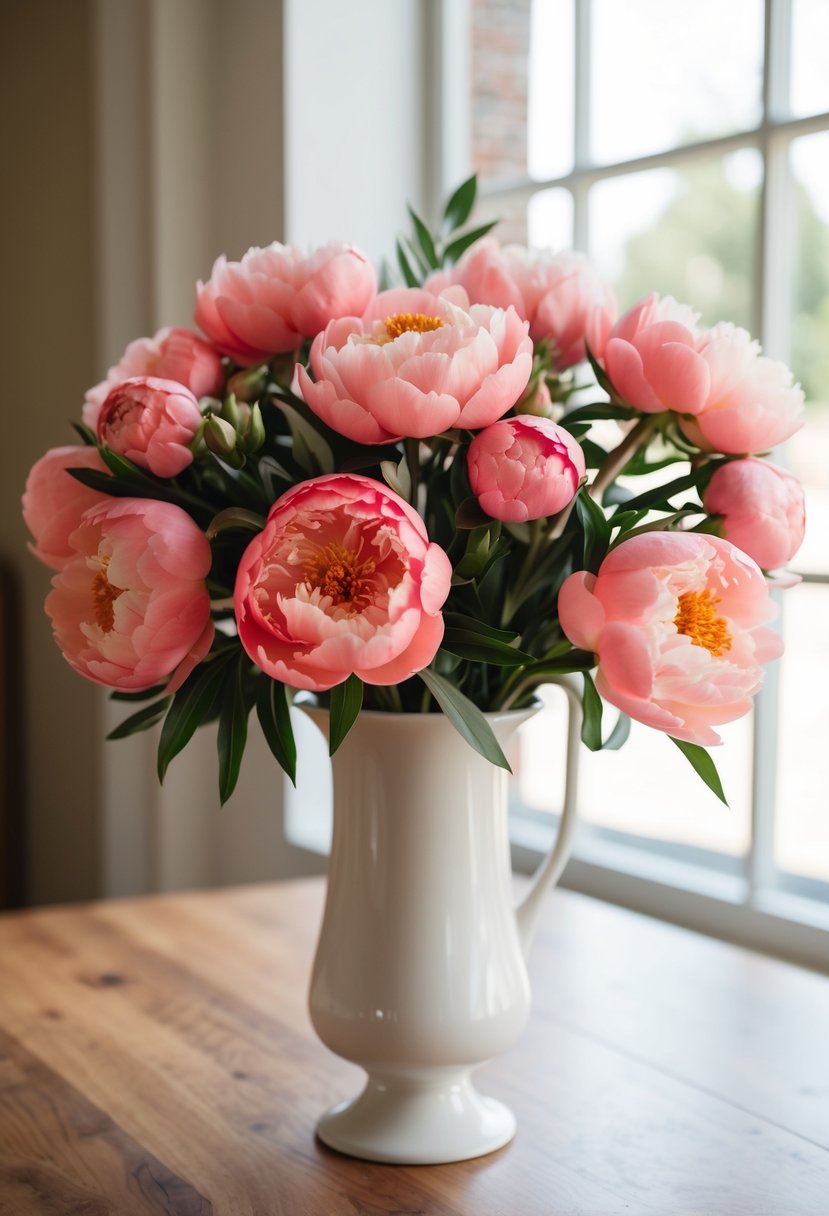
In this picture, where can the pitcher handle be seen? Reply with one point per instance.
(550, 869)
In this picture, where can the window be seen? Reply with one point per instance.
(612, 128)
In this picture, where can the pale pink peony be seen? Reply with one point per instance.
(130, 606)
(53, 501)
(763, 509)
(341, 580)
(416, 364)
(652, 357)
(267, 303)
(560, 294)
(678, 624)
(751, 404)
(152, 422)
(173, 354)
(524, 468)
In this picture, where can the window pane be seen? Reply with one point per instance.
(552, 59)
(646, 788)
(807, 451)
(802, 826)
(550, 219)
(687, 232)
(665, 72)
(810, 38)
(500, 48)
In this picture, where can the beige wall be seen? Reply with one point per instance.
(48, 359)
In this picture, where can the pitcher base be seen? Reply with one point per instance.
(406, 1121)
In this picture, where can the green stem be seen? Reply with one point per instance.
(618, 458)
(412, 450)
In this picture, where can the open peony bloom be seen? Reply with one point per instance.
(763, 509)
(750, 404)
(341, 580)
(173, 354)
(678, 625)
(152, 422)
(524, 468)
(416, 364)
(53, 501)
(130, 607)
(560, 294)
(267, 303)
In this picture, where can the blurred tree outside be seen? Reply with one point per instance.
(702, 251)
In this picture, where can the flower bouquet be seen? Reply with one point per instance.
(421, 496)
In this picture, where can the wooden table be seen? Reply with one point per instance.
(156, 1057)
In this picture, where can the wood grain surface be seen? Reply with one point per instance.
(156, 1057)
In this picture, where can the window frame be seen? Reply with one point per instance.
(747, 900)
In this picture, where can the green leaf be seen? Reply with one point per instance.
(591, 707)
(125, 469)
(469, 645)
(143, 695)
(459, 207)
(86, 435)
(596, 530)
(598, 411)
(454, 250)
(602, 378)
(409, 276)
(471, 515)
(661, 494)
(233, 730)
(466, 718)
(458, 620)
(311, 449)
(274, 717)
(191, 705)
(424, 239)
(701, 762)
(346, 701)
(619, 735)
(143, 720)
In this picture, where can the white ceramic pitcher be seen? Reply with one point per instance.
(420, 972)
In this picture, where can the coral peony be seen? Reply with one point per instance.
(267, 303)
(652, 358)
(751, 404)
(416, 364)
(173, 354)
(677, 622)
(152, 422)
(341, 580)
(53, 501)
(560, 294)
(524, 468)
(131, 604)
(763, 509)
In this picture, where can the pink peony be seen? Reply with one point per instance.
(53, 501)
(131, 604)
(173, 354)
(524, 468)
(652, 357)
(560, 294)
(763, 509)
(152, 422)
(751, 404)
(267, 303)
(677, 622)
(415, 365)
(341, 579)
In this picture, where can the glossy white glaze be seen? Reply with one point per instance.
(419, 974)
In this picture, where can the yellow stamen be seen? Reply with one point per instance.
(104, 595)
(339, 573)
(696, 617)
(410, 322)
